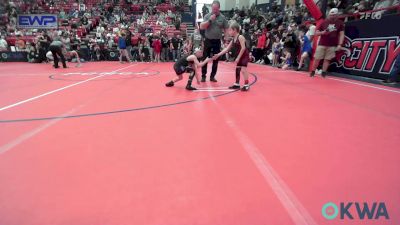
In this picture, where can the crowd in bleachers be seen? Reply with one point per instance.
(93, 27)
(277, 37)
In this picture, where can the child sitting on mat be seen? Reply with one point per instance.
(188, 64)
(286, 59)
(242, 59)
(69, 55)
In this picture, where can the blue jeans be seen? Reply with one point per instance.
(165, 54)
(176, 54)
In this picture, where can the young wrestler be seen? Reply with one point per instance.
(306, 49)
(286, 59)
(68, 55)
(276, 49)
(182, 66)
(73, 54)
(239, 43)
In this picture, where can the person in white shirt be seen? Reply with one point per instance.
(18, 33)
(311, 31)
(381, 5)
(3, 44)
(66, 41)
(246, 20)
(99, 31)
(110, 42)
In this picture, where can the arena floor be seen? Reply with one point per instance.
(109, 144)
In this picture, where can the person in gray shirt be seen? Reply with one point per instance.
(196, 40)
(56, 49)
(214, 24)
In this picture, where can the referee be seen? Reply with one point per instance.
(214, 23)
(56, 49)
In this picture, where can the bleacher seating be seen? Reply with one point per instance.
(82, 31)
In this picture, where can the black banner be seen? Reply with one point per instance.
(113, 55)
(13, 56)
(370, 47)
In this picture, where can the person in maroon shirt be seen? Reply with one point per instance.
(332, 37)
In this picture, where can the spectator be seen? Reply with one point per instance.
(196, 40)
(306, 49)
(3, 44)
(261, 44)
(229, 55)
(66, 41)
(332, 37)
(290, 40)
(298, 18)
(129, 43)
(135, 47)
(33, 54)
(122, 48)
(175, 47)
(381, 4)
(62, 14)
(146, 56)
(287, 60)
(164, 24)
(150, 47)
(341, 4)
(45, 41)
(165, 42)
(310, 30)
(199, 19)
(204, 10)
(100, 31)
(360, 7)
(276, 48)
(110, 42)
(187, 47)
(85, 21)
(178, 24)
(20, 44)
(142, 44)
(157, 48)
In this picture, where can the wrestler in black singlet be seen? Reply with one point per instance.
(181, 65)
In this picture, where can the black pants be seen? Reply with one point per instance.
(258, 53)
(56, 50)
(211, 47)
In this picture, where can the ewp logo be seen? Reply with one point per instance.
(37, 21)
(364, 211)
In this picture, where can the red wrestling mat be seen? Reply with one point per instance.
(108, 143)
